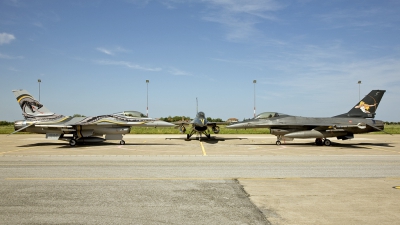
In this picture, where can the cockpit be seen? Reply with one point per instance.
(201, 114)
(268, 115)
(131, 114)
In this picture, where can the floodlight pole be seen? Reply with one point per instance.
(147, 109)
(254, 82)
(39, 81)
(359, 87)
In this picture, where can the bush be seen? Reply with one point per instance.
(5, 123)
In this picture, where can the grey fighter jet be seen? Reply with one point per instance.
(360, 119)
(38, 119)
(200, 126)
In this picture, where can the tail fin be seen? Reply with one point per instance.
(367, 107)
(31, 108)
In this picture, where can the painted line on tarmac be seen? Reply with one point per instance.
(17, 150)
(202, 148)
(115, 178)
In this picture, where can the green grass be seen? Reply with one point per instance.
(391, 129)
(8, 129)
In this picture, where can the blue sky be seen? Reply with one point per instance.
(94, 57)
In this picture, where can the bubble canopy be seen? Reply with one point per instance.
(267, 115)
(131, 114)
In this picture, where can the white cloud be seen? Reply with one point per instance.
(178, 72)
(4, 56)
(239, 17)
(105, 51)
(111, 51)
(254, 7)
(6, 38)
(127, 64)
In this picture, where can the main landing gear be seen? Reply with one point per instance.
(199, 133)
(278, 141)
(320, 142)
(72, 142)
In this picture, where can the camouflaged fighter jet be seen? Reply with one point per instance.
(200, 126)
(360, 119)
(38, 119)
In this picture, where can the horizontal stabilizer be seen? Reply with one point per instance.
(377, 128)
(21, 129)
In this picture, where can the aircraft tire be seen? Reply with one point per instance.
(208, 136)
(122, 142)
(318, 141)
(278, 143)
(327, 142)
(187, 136)
(72, 142)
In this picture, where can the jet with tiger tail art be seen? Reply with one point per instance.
(38, 119)
(360, 119)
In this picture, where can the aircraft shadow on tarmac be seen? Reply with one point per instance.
(63, 145)
(212, 140)
(334, 144)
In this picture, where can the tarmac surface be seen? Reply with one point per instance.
(230, 179)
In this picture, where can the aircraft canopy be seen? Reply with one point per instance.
(267, 115)
(131, 114)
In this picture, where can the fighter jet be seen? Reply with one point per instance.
(360, 119)
(200, 126)
(38, 119)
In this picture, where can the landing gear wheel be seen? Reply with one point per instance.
(327, 142)
(187, 136)
(122, 142)
(278, 143)
(208, 136)
(72, 142)
(318, 141)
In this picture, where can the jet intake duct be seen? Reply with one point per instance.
(215, 129)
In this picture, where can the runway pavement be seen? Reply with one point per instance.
(163, 179)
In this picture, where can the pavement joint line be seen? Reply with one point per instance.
(386, 150)
(259, 155)
(185, 178)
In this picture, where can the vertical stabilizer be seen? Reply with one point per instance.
(367, 107)
(31, 108)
